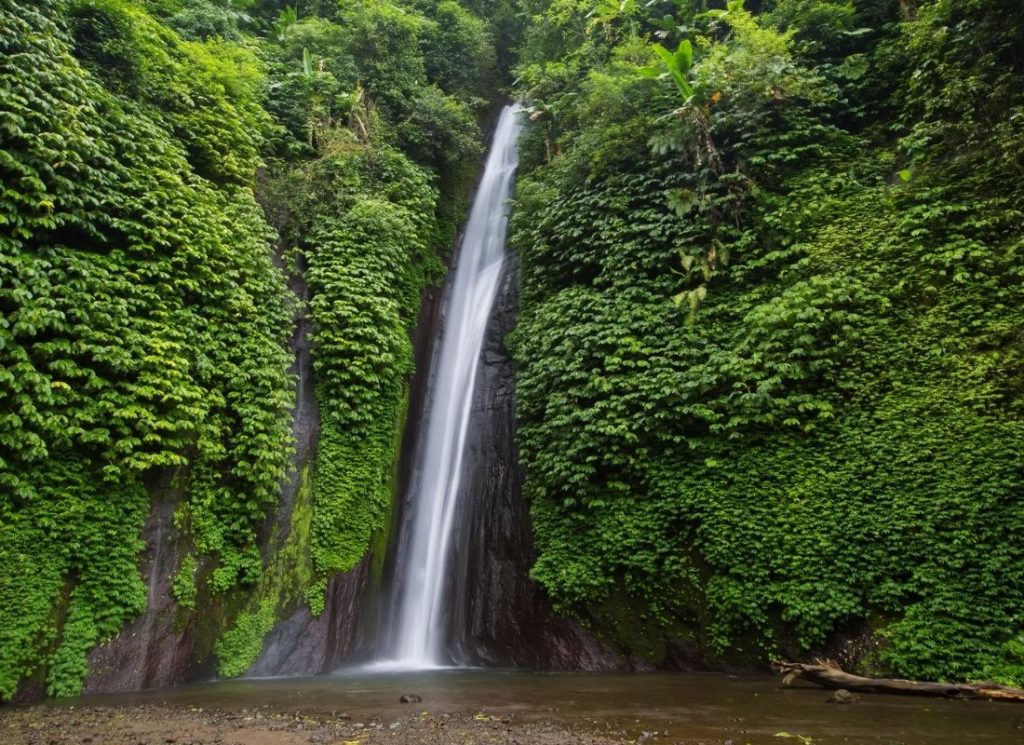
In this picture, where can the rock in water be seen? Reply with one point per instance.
(842, 696)
(410, 698)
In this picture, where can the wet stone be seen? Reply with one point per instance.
(842, 696)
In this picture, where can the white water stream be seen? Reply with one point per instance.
(418, 625)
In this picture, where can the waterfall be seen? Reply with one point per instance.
(417, 628)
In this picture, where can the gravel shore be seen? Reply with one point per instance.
(168, 725)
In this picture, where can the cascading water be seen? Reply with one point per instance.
(417, 624)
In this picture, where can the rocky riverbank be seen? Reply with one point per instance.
(502, 708)
(174, 725)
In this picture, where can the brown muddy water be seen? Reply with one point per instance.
(644, 707)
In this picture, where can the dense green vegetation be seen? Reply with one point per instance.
(366, 188)
(146, 315)
(144, 324)
(771, 349)
(772, 326)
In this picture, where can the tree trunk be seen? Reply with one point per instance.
(832, 677)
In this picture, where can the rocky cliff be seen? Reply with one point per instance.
(499, 615)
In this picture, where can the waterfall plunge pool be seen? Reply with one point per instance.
(614, 707)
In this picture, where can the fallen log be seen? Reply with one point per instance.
(829, 676)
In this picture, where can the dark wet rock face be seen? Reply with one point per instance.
(154, 651)
(167, 646)
(683, 655)
(304, 644)
(499, 616)
(306, 417)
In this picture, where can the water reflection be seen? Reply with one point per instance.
(709, 707)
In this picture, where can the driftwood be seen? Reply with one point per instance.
(830, 676)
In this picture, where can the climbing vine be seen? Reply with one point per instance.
(366, 180)
(146, 311)
(144, 325)
(769, 350)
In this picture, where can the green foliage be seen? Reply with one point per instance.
(678, 64)
(183, 586)
(830, 429)
(205, 94)
(286, 17)
(144, 341)
(374, 157)
(206, 19)
(384, 39)
(78, 525)
(144, 324)
(458, 52)
(441, 132)
(370, 252)
(239, 646)
(309, 103)
(288, 575)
